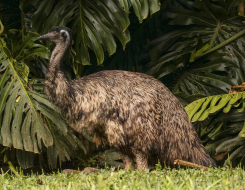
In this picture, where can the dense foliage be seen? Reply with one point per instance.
(196, 48)
(29, 121)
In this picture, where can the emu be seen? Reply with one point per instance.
(132, 112)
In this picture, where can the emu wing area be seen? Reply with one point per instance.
(133, 110)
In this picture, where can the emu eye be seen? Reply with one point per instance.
(63, 34)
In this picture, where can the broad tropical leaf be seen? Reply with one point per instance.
(221, 21)
(211, 74)
(28, 121)
(203, 57)
(93, 23)
(15, 97)
(200, 109)
(141, 8)
(135, 55)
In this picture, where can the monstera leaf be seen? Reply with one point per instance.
(141, 8)
(210, 74)
(205, 56)
(28, 121)
(93, 23)
(200, 109)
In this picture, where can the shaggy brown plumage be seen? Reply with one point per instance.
(132, 112)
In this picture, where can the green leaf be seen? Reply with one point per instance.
(141, 8)
(15, 90)
(199, 52)
(41, 52)
(229, 131)
(204, 106)
(198, 110)
(230, 144)
(53, 116)
(124, 4)
(207, 75)
(25, 159)
(28, 121)
(93, 23)
(239, 152)
(195, 65)
(27, 43)
(26, 132)
(242, 132)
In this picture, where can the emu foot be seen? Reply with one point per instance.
(141, 161)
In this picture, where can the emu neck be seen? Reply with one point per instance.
(56, 59)
(55, 84)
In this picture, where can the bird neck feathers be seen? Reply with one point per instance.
(56, 84)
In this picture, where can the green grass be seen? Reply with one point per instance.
(222, 178)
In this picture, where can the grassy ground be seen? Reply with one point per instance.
(222, 178)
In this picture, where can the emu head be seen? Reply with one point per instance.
(58, 35)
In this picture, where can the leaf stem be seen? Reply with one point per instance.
(1, 27)
(239, 34)
(215, 35)
(22, 24)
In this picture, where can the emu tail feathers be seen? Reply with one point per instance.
(187, 147)
(201, 157)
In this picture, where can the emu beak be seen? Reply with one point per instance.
(45, 36)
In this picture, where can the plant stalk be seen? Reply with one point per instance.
(226, 42)
(189, 164)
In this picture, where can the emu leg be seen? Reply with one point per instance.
(128, 161)
(141, 161)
